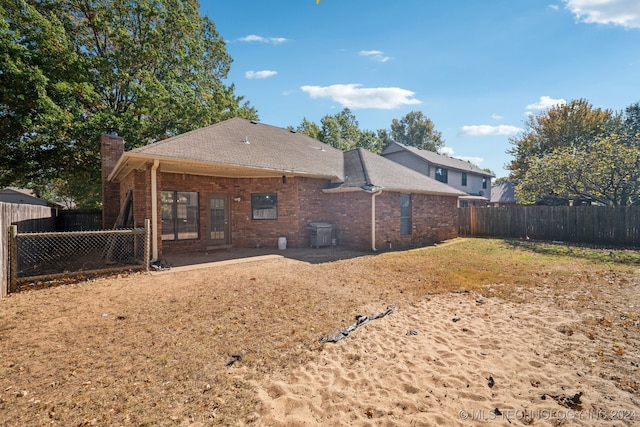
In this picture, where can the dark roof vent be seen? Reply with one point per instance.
(293, 131)
(254, 122)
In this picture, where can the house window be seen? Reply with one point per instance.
(464, 204)
(464, 179)
(179, 215)
(484, 182)
(264, 206)
(405, 214)
(441, 175)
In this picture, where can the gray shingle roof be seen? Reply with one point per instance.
(503, 193)
(370, 172)
(251, 146)
(244, 143)
(437, 159)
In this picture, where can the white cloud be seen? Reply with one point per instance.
(495, 116)
(475, 160)
(376, 55)
(486, 130)
(260, 74)
(354, 96)
(447, 151)
(545, 103)
(252, 38)
(625, 13)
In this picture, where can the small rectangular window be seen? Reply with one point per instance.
(464, 179)
(441, 175)
(264, 206)
(405, 214)
(484, 182)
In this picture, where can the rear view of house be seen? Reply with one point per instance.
(241, 183)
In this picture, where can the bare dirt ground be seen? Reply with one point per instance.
(206, 346)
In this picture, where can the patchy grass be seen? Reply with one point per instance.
(153, 349)
(595, 254)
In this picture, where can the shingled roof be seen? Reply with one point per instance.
(240, 147)
(437, 159)
(243, 148)
(371, 172)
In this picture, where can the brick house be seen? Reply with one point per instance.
(241, 183)
(459, 174)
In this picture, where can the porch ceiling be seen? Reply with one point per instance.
(129, 163)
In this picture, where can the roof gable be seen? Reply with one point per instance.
(436, 159)
(370, 172)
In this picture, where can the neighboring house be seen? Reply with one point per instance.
(459, 174)
(22, 196)
(503, 194)
(241, 183)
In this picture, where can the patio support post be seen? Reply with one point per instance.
(154, 210)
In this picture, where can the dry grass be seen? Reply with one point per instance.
(151, 349)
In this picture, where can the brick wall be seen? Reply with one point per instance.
(433, 219)
(111, 148)
(293, 209)
(300, 201)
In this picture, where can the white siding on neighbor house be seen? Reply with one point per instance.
(454, 179)
(406, 158)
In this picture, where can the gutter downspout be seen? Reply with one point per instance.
(373, 220)
(154, 210)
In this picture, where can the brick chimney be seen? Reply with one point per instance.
(111, 148)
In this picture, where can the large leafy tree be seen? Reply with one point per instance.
(147, 69)
(416, 130)
(574, 124)
(605, 171)
(340, 130)
(43, 95)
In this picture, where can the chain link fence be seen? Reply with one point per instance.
(52, 255)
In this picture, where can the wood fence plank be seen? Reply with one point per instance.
(580, 224)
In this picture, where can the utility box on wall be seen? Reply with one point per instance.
(321, 234)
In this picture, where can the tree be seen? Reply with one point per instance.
(340, 130)
(575, 124)
(631, 118)
(145, 69)
(42, 93)
(606, 171)
(416, 130)
(309, 128)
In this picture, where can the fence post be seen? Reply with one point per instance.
(147, 243)
(472, 219)
(13, 258)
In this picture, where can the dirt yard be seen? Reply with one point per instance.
(238, 344)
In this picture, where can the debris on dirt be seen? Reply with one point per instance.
(456, 319)
(412, 332)
(234, 358)
(490, 382)
(571, 402)
(160, 265)
(360, 320)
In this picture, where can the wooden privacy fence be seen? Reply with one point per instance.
(601, 225)
(26, 218)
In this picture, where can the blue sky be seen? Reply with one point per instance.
(476, 68)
